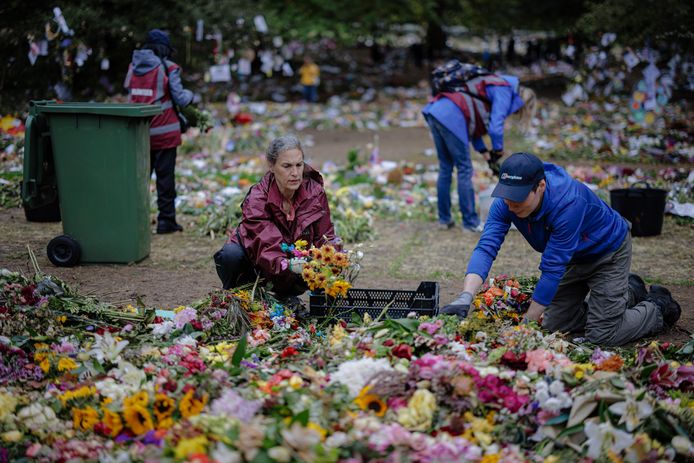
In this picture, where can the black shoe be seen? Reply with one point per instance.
(668, 307)
(637, 290)
(169, 228)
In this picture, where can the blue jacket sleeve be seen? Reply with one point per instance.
(501, 99)
(181, 96)
(498, 224)
(478, 144)
(563, 241)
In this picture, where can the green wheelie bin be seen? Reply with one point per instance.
(100, 156)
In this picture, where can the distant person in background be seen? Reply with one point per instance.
(310, 78)
(154, 79)
(468, 102)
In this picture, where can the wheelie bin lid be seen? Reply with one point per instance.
(106, 109)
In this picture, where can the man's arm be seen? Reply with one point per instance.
(181, 96)
(501, 98)
(472, 283)
(480, 146)
(495, 230)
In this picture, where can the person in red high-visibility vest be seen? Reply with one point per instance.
(150, 83)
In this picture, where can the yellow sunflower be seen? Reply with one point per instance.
(85, 418)
(45, 364)
(141, 398)
(66, 364)
(164, 407)
(367, 401)
(138, 418)
(190, 405)
(112, 421)
(339, 288)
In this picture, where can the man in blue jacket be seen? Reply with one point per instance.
(586, 249)
(461, 111)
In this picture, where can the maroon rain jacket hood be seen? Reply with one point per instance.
(264, 227)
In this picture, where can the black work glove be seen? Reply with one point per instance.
(493, 161)
(459, 307)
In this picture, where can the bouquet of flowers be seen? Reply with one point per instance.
(325, 268)
(504, 297)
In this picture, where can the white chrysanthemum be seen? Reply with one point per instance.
(129, 375)
(39, 419)
(356, 373)
(552, 397)
(163, 328)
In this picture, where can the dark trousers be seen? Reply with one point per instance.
(233, 267)
(163, 162)
(609, 316)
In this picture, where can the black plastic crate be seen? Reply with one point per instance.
(423, 301)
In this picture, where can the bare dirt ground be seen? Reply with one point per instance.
(180, 270)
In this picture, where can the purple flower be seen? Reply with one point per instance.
(64, 347)
(431, 328)
(231, 404)
(186, 315)
(151, 439)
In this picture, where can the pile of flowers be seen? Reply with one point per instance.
(505, 297)
(424, 390)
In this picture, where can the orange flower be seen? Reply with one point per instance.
(340, 259)
(613, 363)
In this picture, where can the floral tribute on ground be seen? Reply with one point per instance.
(237, 378)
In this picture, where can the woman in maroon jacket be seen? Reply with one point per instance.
(288, 204)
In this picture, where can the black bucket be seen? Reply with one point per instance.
(643, 207)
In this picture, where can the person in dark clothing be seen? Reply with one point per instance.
(288, 204)
(586, 252)
(154, 79)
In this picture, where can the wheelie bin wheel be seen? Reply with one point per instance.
(64, 251)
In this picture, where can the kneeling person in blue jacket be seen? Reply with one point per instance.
(586, 251)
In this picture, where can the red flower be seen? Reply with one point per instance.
(101, 428)
(196, 324)
(388, 342)
(288, 352)
(664, 377)
(170, 386)
(243, 118)
(514, 361)
(403, 351)
(187, 388)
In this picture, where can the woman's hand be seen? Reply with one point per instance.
(296, 265)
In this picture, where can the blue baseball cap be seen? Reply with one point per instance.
(158, 36)
(519, 173)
